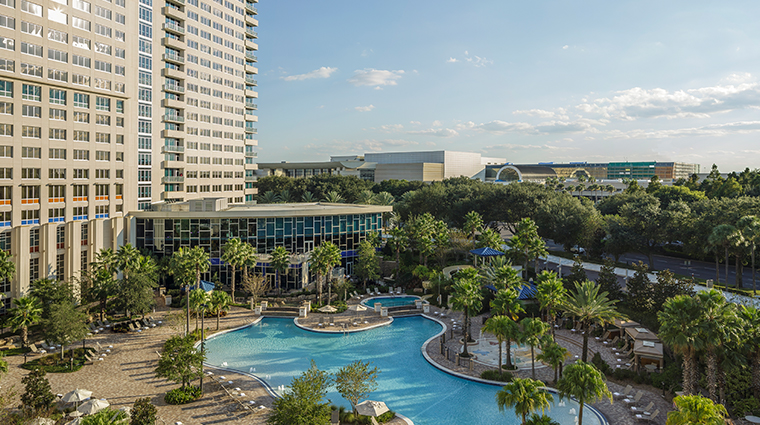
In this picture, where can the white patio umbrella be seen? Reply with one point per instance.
(93, 406)
(43, 421)
(357, 307)
(77, 421)
(328, 309)
(371, 408)
(76, 396)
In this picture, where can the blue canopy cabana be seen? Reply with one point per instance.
(484, 252)
(206, 286)
(527, 291)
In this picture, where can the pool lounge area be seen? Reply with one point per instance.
(391, 301)
(276, 350)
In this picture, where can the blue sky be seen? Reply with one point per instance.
(527, 81)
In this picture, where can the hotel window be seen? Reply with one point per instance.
(82, 117)
(31, 92)
(57, 193)
(31, 194)
(79, 193)
(81, 155)
(6, 173)
(31, 8)
(101, 211)
(58, 75)
(101, 192)
(57, 114)
(58, 16)
(58, 36)
(81, 136)
(81, 100)
(80, 213)
(143, 191)
(80, 23)
(82, 61)
(82, 80)
(102, 138)
(30, 153)
(102, 174)
(102, 103)
(6, 88)
(144, 175)
(103, 30)
(57, 133)
(83, 263)
(7, 22)
(103, 12)
(33, 70)
(103, 66)
(81, 173)
(102, 84)
(81, 42)
(58, 97)
(120, 174)
(31, 111)
(102, 155)
(31, 132)
(144, 159)
(57, 173)
(58, 55)
(34, 268)
(103, 120)
(7, 43)
(6, 64)
(6, 195)
(56, 153)
(59, 263)
(6, 151)
(82, 5)
(31, 49)
(120, 156)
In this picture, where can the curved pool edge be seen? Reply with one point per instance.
(325, 331)
(362, 302)
(602, 419)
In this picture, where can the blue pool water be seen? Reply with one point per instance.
(409, 385)
(391, 301)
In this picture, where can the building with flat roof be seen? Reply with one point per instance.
(667, 171)
(299, 227)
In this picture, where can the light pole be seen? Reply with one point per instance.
(187, 311)
(203, 341)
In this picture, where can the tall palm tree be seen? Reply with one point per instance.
(750, 227)
(695, 409)
(717, 327)
(540, 420)
(554, 355)
(502, 327)
(525, 396)
(468, 299)
(398, 241)
(269, 197)
(219, 301)
(750, 318)
(589, 306)
(490, 238)
(721, 236)
(322, 259)
(585, 383)
(506, 303)
(679, 321)
(308, 197)
(198, 298)
(383, 198)
(27, 312)
(188, 264)
(551, 294)
(279, 259)
(333, 197)
(365, 197)
(233, 253)
(127, 258)
(533, 329)
(473, 223)
(503, 276)
(7, 266)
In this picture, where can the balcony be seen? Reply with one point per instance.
(251, 166)
(251, 93)
(174, 58)
(171, 103)
(172, 164)
(251, 69)
(250, 80)
(174, 118)
(251, 57)
(253, 118)
(174, 43)
(177, 2)
(250, 8)
(251, 154)
(173, 134)
(251, 33)
(251, 105)
(172, 149)
(174, 88)
(249, 43)
(251, 142)
(251, 130)
(250, 178)
(250, 20)
(173, 73)
(172, 179)
(173, 13)
(173, 28)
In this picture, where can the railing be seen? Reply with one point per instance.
(251, 130)
(251, 105)
(249, 7)
(173, 27)
(172, 179)
(174, 148)
(173, 57)
(251, 32)
(250, 178)
(251, 80)
(174, 117)
(251, 154)
(178, 1)
(251, 56)
(174, 87)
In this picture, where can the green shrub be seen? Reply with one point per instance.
(183, 395)
(623, 374)
(748, 406)
(52, 363)
(387, 416)
(600, 364)
(670, 379)
(493, 375)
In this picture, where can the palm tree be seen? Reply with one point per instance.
(502, 327)
(188, 264)
(333, 197)
(467, 299)
(7, 266)
(285, 196)
(751, 331)
(532, 331)
(540, 420)
(219, 301)
(718, 326)
(502, 276)
(721, 237)
(528, 243)
(399, 241)
(679, 321)
(308, 197)
(269, 197)
(365, 197)
(585, 383)
(554, 355)
(127, 258)
(589, 306)
(750, 228)
(525, 396)
(279, 259)
(233, 253)
(197, 298)
(695, 409)
(322, 259)
(491, 239)
(383, 198)
(28, 312)
(473, 223)
(551, 295)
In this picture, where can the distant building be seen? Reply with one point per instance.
(426, 166)
(667, 171)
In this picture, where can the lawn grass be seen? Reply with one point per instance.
(52, 363)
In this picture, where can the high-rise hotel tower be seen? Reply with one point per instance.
(108, 106)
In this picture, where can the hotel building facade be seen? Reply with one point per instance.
(108, 106)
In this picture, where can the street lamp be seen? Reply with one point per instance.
(203, 341)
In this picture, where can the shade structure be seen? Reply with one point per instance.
(622, 323)
(486, 252)
(42, 421)
(357, 307)
(527, 291)
(76, 396)
(371, 408)
(93, 406)
(206, 286)
(641, 334)
(328, 309)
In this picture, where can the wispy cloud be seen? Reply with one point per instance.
(437, 132)
(477, 61)
(323, 72)
(375, 77)
(452, 60)
(365, 108)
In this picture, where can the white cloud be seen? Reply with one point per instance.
(477, 61)
(366, 145)
(437, 123)
(323, 72)
(502, 127)
(375, 77)
(365, 108)
(441, 132)
(392, 127)
(414, 122)
(565, 47)
(452, 60)
(537, 113)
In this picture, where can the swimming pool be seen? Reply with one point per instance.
(279, 350)
(391, 301)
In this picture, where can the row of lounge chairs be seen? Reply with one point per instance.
(331, 322)
(641, 413)
(375, 292)
(444, 312)
(236, 394)
(98, 353)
